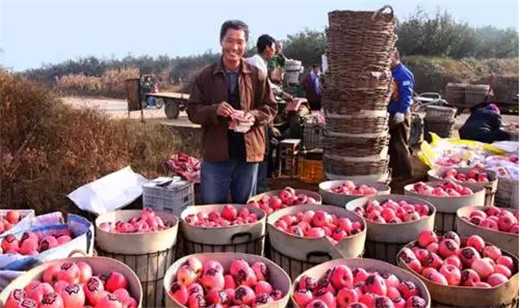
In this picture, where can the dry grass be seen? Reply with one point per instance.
(432, 74)
(110, 84)
(48, 149)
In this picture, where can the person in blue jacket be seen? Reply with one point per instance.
(400, 118)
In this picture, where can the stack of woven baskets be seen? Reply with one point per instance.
(439, 120)
(356, 91)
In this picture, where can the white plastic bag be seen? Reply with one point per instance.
(110, 192)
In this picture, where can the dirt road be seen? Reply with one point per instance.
(117, 108)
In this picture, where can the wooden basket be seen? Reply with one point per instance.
(385, 240)
(455, 93)
(348, 101)
(354, 146)
(504, 240)
(447, 207)
(369, 80)
(476, 94)
(148, 254)
(341, 200)
(352, 168)
(440, 113)
(99, 265)
(248, 238)
(357, 124)
(278, 278)
(443, 128)
(504, 295)
(491, 186)
(368, 264)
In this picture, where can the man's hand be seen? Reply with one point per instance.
(225, 110)
(249, 118)
(399, 118)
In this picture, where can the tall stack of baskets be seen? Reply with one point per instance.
(439, 120)
(356, 91)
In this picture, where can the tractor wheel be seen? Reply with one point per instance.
(159, 103)
(171, 109)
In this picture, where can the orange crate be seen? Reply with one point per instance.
(310, 170)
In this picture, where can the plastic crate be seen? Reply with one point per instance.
(310, 168)
(173, 198)
(312, 136)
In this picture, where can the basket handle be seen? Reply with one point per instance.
(242, 234)
(318, 254)
(77, 251)
(389, 16)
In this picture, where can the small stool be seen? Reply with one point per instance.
(287, 158)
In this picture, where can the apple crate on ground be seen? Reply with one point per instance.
(226, 279)
(392, 222)
(480, 177)
(472, 220)
(438, 193)
(75, 282)
(147, 252)
(340, 193)
(15, 220)
(345, 282)
(463, 272)
(173, 198)
(304, 236)
(223, 228)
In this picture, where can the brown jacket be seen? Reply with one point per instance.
(209, 89)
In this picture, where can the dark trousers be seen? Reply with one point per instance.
(398, 147)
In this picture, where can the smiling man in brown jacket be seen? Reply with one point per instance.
(231, 158)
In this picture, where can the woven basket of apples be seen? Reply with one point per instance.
(15, 220)
(145, 240)
(495, 225)
(462, 271)
(342, 192)
(95, 282)
(302, 237)
(358, 283)
(479, 177)
(392, 221)
(272, 201)
(226, 280)
(223, 228)
(447, 197)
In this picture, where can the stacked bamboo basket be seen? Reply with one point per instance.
(356, 93)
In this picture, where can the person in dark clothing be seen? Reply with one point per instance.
(484, 125)
(400, 119)
(311, 86)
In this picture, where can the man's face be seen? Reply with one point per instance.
(279, 47)
(233, 45)
(270, 51)
(316, 70)
(394, 60)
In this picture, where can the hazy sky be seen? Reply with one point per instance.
(36, 32)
